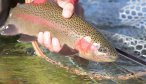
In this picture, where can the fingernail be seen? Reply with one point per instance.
(40, 37)
(40, 33)
(55, 41)
(68, 10)
(66, 13)
(46, 33)
(56, 45)
(46, 37)
(61, 3)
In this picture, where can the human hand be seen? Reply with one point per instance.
(44, 38)
(52, 43)
(67, 5)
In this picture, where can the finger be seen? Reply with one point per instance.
(47, 40)
(56, 45)
(61, 3)
(41, 38)
(68, 10)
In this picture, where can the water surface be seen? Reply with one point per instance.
(34, 70)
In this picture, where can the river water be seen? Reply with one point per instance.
(34, 70)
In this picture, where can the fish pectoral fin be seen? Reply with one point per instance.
(67, 51)
(73, 55)
(27, 38)
(9, 30)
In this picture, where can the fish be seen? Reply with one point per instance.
(30, 19)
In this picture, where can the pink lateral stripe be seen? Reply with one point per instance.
(40, 21)
(36, 20)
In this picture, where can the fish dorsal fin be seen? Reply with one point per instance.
(27, 38)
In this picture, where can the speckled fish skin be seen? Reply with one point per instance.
(33, 18)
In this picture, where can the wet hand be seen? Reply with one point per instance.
(52, 43)
(44, 38)
(68, 7)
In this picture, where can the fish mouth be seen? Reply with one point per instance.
(9, 29)
(105, 55)
(105, 58)
(98, 56)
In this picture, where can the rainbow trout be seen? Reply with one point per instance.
(30, 19)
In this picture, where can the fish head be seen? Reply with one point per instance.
(95, 51)
(18, 23)
(10, 26)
